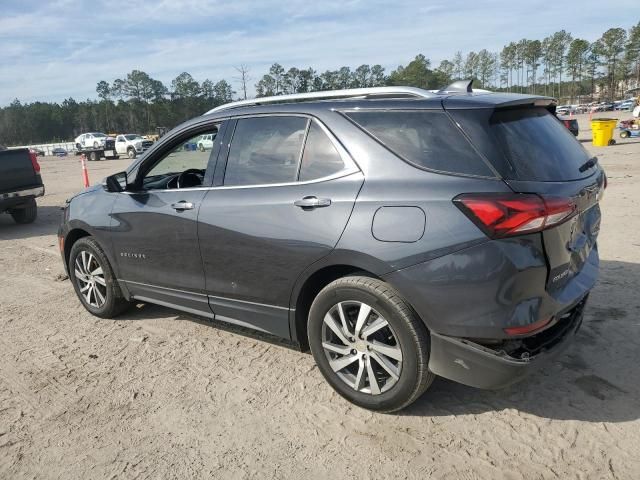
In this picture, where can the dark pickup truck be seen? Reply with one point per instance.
(20, 184)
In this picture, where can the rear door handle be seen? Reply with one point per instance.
(309, 203)
(182, 205)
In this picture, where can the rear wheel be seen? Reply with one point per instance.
(93, 156)
(25, 214)
(369, 344)
(94, 281)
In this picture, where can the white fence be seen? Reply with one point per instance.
(48, 147)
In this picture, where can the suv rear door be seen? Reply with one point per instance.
(282, 196)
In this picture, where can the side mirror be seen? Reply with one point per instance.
(116, 182)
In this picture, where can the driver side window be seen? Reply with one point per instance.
(184, 166)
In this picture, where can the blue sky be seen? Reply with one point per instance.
(51, 50)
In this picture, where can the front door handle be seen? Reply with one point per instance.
(182, 205)
(309, 203)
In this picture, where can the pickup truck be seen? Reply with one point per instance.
(20, 184)
(131, 145)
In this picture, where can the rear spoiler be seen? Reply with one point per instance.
(497, 101)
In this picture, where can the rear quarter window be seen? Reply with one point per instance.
(425, 139)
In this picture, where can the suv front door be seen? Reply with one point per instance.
(282, 198)
(154, 225)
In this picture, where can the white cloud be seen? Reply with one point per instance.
(64, 48)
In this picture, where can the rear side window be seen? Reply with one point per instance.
(426, 139)
(265, 150)
(526, 144)
(320, 158)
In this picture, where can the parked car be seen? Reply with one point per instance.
(59, 152)
(397, 233)
(570, 123)
(563, 110)
(626, 105)
(38, 151)
(20, 184)
(91, 140)
(131, 145)
(205, 142)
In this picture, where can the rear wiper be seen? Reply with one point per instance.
(588, 164)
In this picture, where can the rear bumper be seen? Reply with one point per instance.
(12, 199)
(480, 291)
(500, 365)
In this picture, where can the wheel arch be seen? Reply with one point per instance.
(308, 289)
(70, 239)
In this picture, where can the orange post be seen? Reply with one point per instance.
(85, 172)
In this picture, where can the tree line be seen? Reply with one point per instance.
(571, 69)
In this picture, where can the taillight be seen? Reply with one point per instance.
(528, 329)
(34, 162)
(504, 215)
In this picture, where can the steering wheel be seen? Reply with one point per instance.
(192, 177)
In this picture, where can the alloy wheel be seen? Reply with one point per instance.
(90, 277)
(361, 347)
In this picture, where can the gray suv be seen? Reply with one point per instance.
(398, 234)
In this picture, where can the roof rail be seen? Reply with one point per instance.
(373, 92)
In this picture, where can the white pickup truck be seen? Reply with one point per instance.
(131, 145)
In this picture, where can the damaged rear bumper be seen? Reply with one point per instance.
(505, 362)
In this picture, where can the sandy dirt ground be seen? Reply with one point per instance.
(156, 395)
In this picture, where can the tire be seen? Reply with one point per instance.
(404, 336)
(93, 156)
(131, 153)
(201, 147)
(86, 251)
(96, 144)
(26, 214)
(624, 134)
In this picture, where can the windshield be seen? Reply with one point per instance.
(98, 135)
(133, 137)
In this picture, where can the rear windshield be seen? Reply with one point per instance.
(527, 144)
(425, 138)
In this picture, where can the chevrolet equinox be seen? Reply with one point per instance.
(397, 233)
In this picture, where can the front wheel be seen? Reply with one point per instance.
(94, 281)
(369, 344)
(624, 134)
(131, 153)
